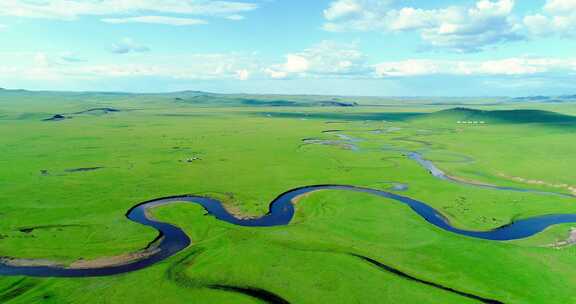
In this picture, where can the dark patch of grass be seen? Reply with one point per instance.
(73, 170)
(176, 271)
(93, 111)
(30, 229)
(436, 285)
(257, 293)
(16, 289)
(97, 111)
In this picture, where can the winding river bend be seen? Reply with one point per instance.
(438, 173)
(173, 239)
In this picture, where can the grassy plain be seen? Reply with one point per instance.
(247, 154)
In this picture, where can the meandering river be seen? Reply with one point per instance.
(173, 239)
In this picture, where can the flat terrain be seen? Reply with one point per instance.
(69, 175)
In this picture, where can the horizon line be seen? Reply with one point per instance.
(278, 94)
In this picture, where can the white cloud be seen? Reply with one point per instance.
(472, 28)
(275, 74)
(156, 20)
(560, 6)
(356, 15)
(296, 64)
(50, 66)
(558, 17)
(457, 28)
(332, 60)
(409, 18)
(71, 9)
(342, 8)
(537, 24)
(243, 74)
(324, 59)
(235, 17)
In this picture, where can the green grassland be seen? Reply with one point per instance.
(246, 153)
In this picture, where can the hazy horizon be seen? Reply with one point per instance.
(274, 94)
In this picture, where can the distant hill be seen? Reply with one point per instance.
(259, 100)
(500, 116)
(533, 98)
(264, 100)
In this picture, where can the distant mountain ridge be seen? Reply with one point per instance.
(542, 98)
(283, 100)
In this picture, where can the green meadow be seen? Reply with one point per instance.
(66, 184)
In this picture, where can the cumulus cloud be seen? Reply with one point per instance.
(275, 73)
(457, 28)
(71, 9)
(335, 60)
(296, 63)
(356, 15)
(156, 20)
(342, 8)
(128, 45)
(326, 59)
(558, 17)
(472, 28)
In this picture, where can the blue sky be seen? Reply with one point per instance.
(346, 47)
